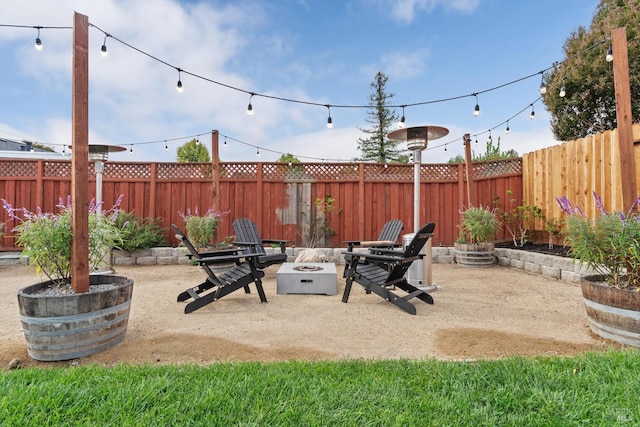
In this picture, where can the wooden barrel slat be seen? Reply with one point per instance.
(64, 327)
(475, 259)
(613, 313)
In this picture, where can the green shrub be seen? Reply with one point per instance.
(140, 233)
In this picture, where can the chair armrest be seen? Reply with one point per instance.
(281, 243)
(368, 256)
(351, 244)
(221, 259)
(219, 253)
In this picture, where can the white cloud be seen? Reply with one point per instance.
(406, 10)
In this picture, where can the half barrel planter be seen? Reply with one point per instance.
(613, 313)
(64, 327)
(475, 254)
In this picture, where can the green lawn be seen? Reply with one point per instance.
(591, 389)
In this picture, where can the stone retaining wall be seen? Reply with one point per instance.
(561, 268)
(558, 267)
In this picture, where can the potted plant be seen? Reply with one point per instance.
(58, 323)
(609, 245)
(201, 230)
(474, 247)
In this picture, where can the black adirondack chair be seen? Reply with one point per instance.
(387, 239)
(241, 275)
(383, 281)
(247, 235)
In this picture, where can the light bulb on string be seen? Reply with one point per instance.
(224, 144)
(476, 110)
(131, 150)
(250, 107)
(103, 49)
(609, 56)
(476, 140)
(507, 130)
(533, 113)
(490, 140)
(563, 92)
(166, 147)
(179, 84)
(257, 152)
(38, 41)
(401, 123)
(543, 88)
(329, 120)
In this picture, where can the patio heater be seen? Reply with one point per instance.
(417, 139)
(99, 154)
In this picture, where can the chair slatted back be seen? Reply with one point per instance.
(412, 251)
(246, 231)
(391, 231)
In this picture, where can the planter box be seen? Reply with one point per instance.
(613, 313)
(64, 327)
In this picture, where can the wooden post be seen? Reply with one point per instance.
(469, 168)
(215, 171)
(624, 116)
(80, 156)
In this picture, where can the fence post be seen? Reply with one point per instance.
(467, 156)
(624, 116)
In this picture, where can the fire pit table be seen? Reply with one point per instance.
(307, 278)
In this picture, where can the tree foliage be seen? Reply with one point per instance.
(193, 151)
(377, 147)
(492, 152)
(288, 158)
(589, 105)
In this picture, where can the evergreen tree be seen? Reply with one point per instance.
(589, 105)
(377, 147)
(193, 151)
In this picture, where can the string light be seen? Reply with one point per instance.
(250, 107)
(490, 139)
(103, 49)
(401, 124)
(507, 130)
(533, 113)
(38, 41)
(563, 92)
(166, 147)
(131, 150)
(329, 121)
(476, 110)
(179, 84)
(543, 87)
(609, 56)
(224, 144)
(257, 152)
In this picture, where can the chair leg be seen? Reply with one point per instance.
(347, 290)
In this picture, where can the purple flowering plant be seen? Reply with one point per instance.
(46, 237)
(201, 229)
(609, 243)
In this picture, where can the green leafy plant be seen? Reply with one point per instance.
(609, 244)
(201, 230)
(47, 238)
(518, 220)
(140, 233)
(554, 227)
(479, 225)
(319, 228)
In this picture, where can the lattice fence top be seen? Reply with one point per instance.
(294, 172)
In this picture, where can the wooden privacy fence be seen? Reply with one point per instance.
(576, 169)
(276, 196)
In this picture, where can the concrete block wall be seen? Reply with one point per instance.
(556, 267)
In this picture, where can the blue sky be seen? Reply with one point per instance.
(317, 51)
